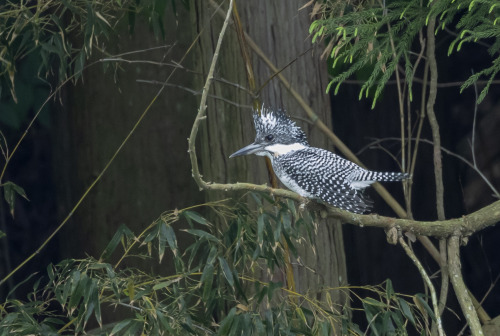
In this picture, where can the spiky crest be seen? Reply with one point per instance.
(279, 125)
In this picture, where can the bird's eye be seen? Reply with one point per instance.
(269, 137)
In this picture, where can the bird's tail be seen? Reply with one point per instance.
(363, 178)
(387, 176)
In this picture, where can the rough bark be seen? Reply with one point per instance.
(150, 175)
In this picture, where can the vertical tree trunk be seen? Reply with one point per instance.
(281, 31)
(151, 174)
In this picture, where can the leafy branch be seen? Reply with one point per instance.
(212, 291)
(358, 37)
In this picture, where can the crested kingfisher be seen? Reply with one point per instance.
(309, 171)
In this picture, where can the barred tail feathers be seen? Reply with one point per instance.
(390, 176)
(363, 178)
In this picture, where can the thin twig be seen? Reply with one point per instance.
(195, 92)
(201, 110)
(473, 144)
(438, 165)
(412, 155)
(276, 73)
(428, 281)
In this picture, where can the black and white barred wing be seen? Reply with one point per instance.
(317, 173)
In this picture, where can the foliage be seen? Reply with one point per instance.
(54, 40)
(376, 36)
(64, 33)
(217, 288)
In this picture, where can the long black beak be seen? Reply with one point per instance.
(250, 149)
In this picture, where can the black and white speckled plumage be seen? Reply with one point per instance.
(309, 171)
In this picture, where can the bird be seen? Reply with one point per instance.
(313, 173)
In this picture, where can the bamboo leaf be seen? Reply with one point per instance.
(405, 309)
(226, 271)
(372, 302)
(202, 234)
(227, 322)
(113, 243)
(195, 216)
(10, 189)
(119, 326)
(171, 239)
(206, 281)
(423, 303)
(389, 290)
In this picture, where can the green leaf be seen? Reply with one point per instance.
(291, 207)
(389, 290)
(373, 302)
(260, 229)
(163, 232)
(325, 328)
(163, 284)
(97, 306)
(113, 243)
(257, 199)
(89, 302)
(398, 319)
(10, 189)
(238, 286)
(163, 321)
(227, 322)
(202, 234)
(195, 216)
(290, 244)
(286, 219)
(206, 281)
(2, 234)
(119, 326)
(301, 315)
(226, 271)
(405, 309)
(426, 306)
(77, 292)
(171, 239)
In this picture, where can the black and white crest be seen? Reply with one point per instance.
(278, 124)
(311, 172)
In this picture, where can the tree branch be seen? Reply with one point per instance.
(465, 226)
(201, 110)
(438, 166)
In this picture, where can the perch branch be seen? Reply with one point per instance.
(466, 225)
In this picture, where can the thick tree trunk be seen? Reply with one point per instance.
(151, 174)
(280, 30)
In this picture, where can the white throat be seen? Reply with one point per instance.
(278, 149)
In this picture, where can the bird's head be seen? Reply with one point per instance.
(276, 135)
